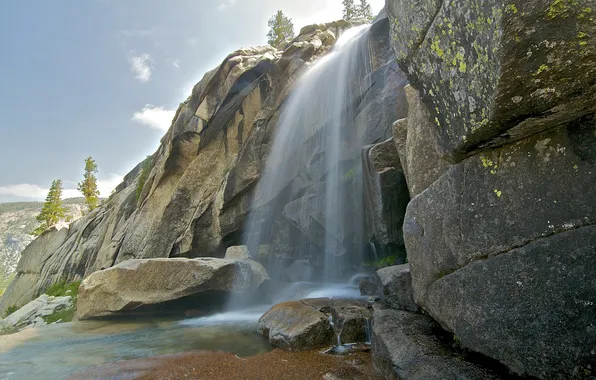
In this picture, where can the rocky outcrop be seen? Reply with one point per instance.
(396, 284)
(135, 286)
(405, 346)
(308, 324)
(35, 312)
(495, 71)
(198, 193)
(475, 219)
(501, 242)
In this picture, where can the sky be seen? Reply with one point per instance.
(103, 78)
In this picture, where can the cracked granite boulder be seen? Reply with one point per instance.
(496, 71)
(502, 250)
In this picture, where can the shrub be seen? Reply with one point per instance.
(11, 310)
(65, 315)
(61, 289)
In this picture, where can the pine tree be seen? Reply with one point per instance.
(281, 29)
(52, 210)
(89, 184)
(350, 10)
(364, 10)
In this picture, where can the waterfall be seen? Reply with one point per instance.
(308, 203)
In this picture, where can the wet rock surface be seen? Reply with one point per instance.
(309, 323)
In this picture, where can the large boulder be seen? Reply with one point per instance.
(501, 249)
(135, 285)
(295, 326)
(396, 283)
(311, 323)
(494, 71)
(405, 346)
(239, 252)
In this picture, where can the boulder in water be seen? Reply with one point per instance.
(135, 285)
(295, 326)
(308, 324)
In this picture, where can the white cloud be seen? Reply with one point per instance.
(226, 4)
(155, 117)
(105, 186)
(36, 192)
(24, 190)
(176, 63)
(141, 66)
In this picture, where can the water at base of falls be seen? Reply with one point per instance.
(312, 180)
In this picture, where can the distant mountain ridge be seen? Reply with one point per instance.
(17, 221)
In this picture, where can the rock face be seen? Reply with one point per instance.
(396, 283)
(416, 141)
(405, 346)
(202, 178)
(17, 221)
(501, 242)
(308, 324)
(542, 238)
(385, 197)
(34, 312)
(492, 71)
(133, 285)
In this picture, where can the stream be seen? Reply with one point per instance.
(59, 351)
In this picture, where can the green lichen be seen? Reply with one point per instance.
(582, 35)
(498, 193)
(436, 48)
(560, 8)
(511, 8)
(540, 70)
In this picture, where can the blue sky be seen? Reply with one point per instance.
(103, 78)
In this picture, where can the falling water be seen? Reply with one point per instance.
(311, 179)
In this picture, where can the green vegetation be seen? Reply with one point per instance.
(11, 310)
(382, 263)
(353, 11)
(65, 315)
(281, 29)
(89, 184)
(52, 210)
(144, 175)
(61, 289)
